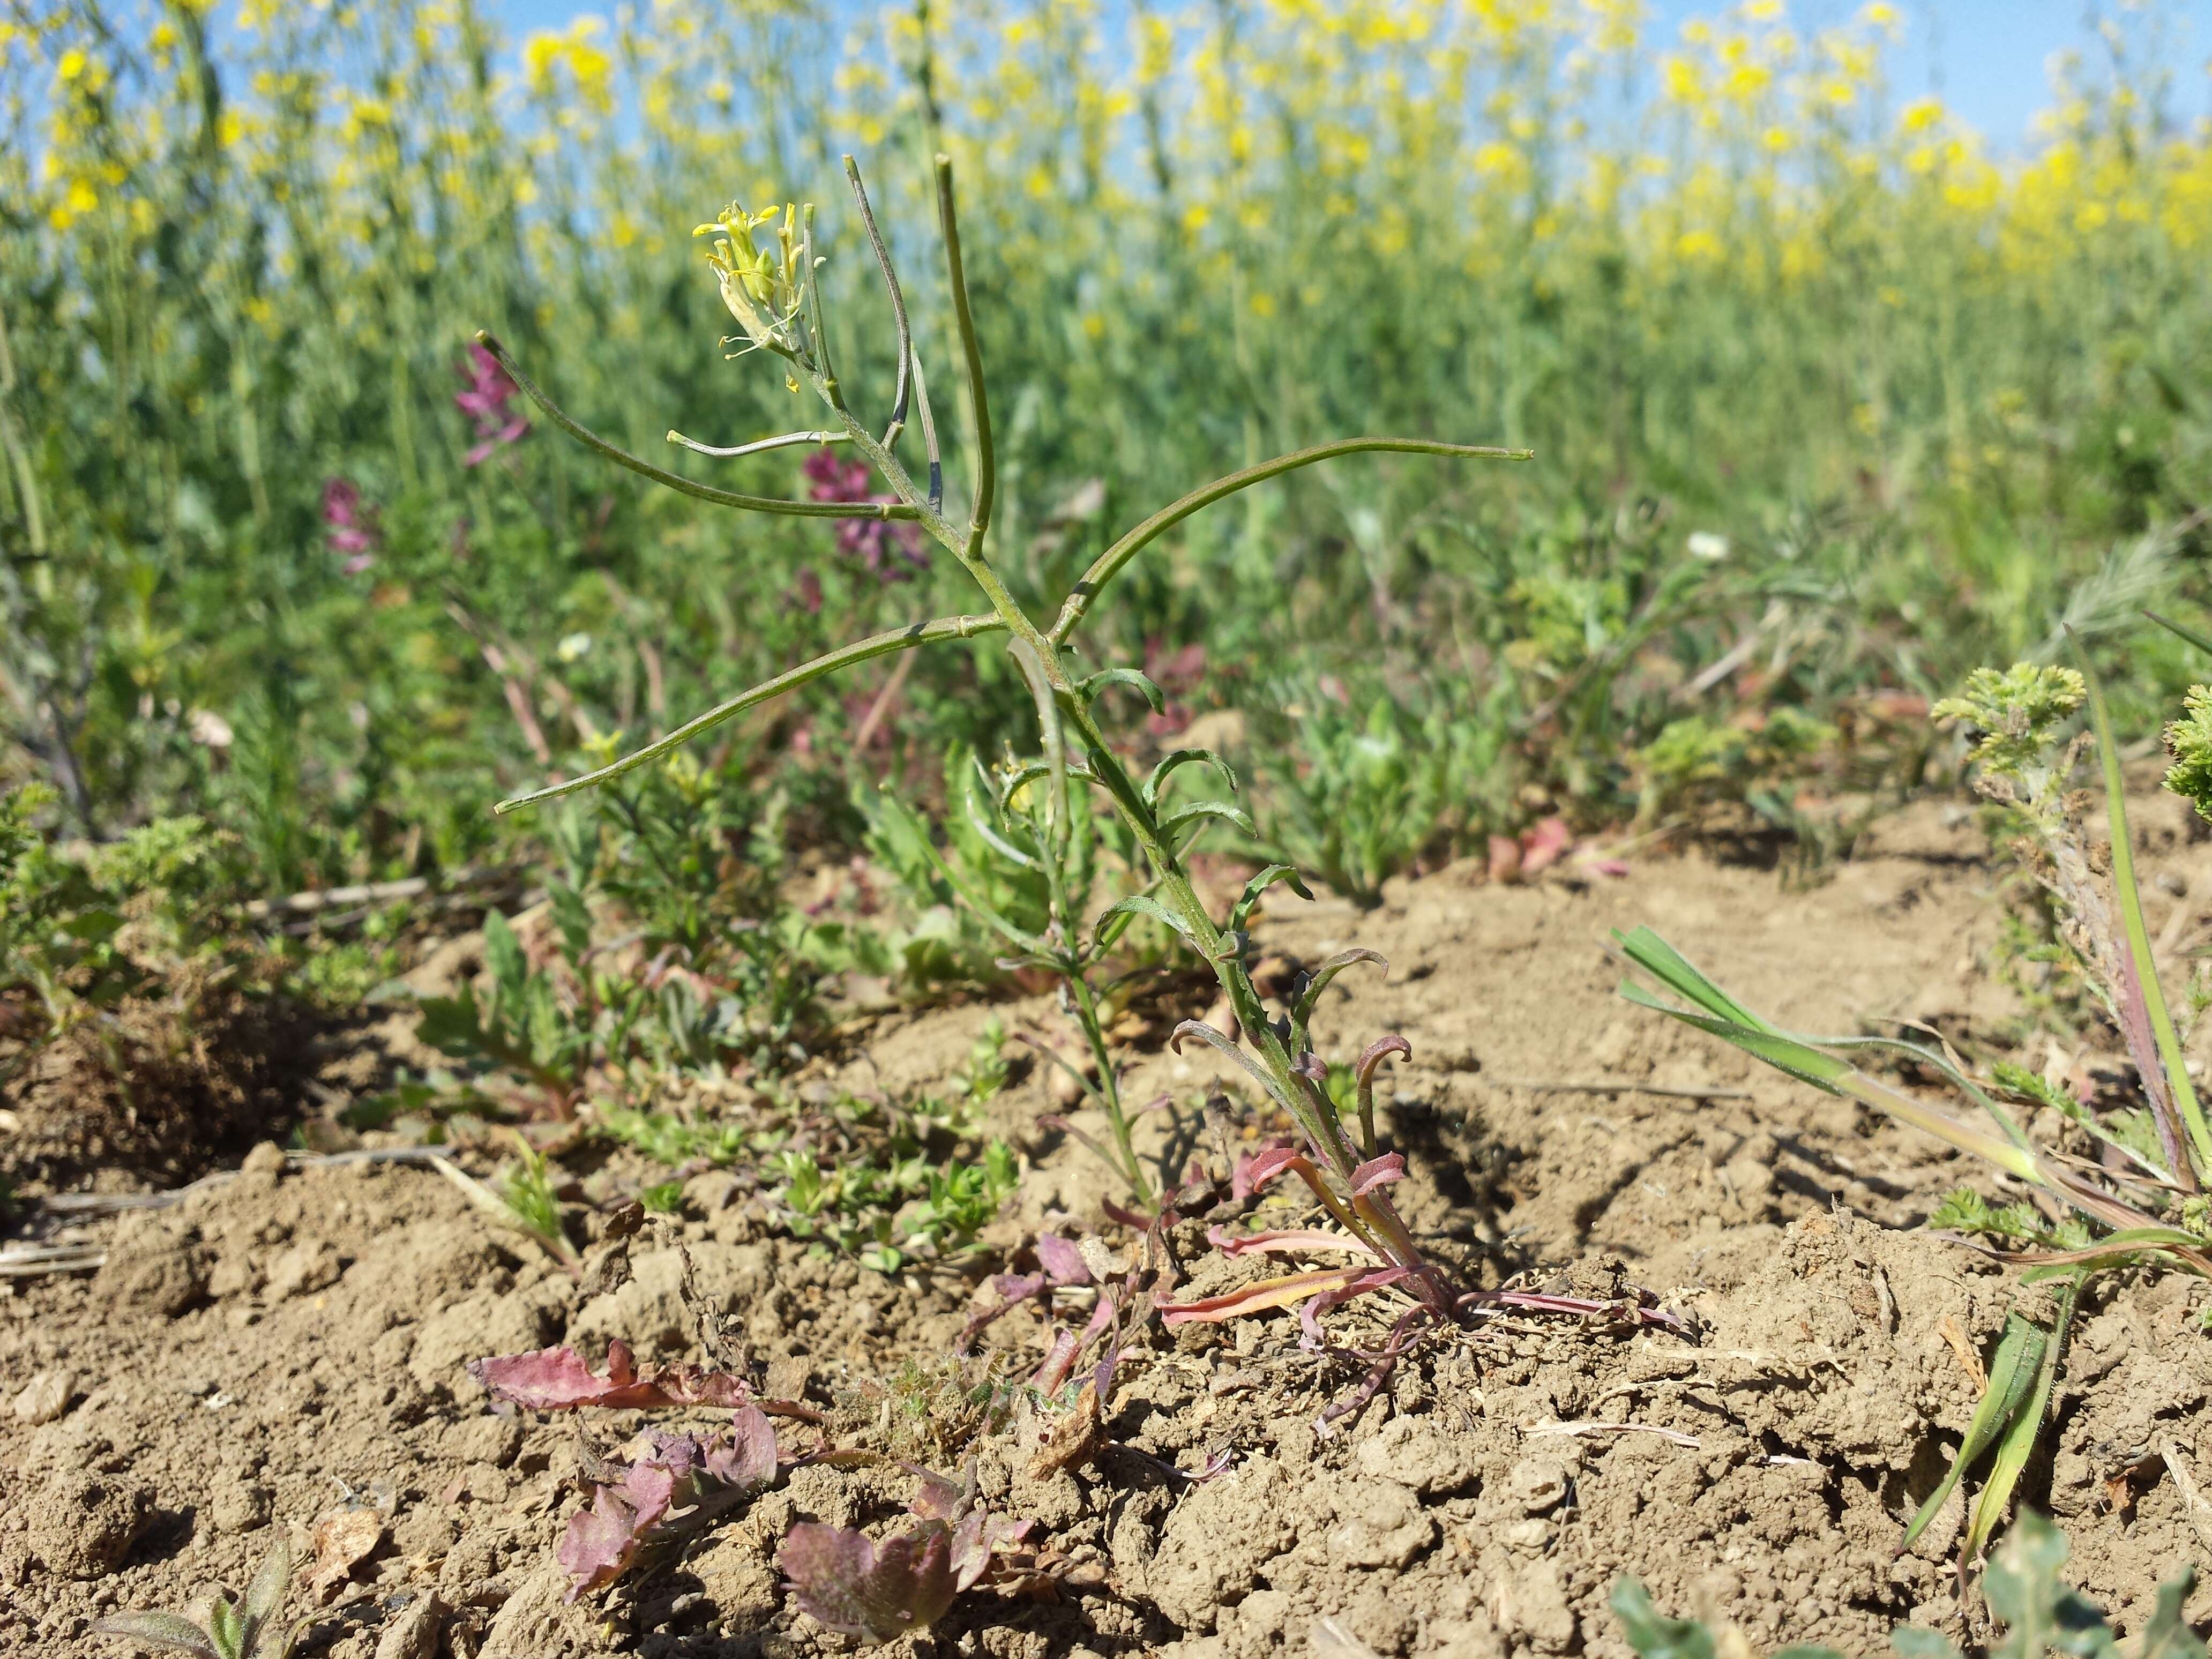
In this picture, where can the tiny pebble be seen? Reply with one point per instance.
(45, 1396)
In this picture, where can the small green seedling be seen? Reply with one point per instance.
(248, 1630)
(521, 1201)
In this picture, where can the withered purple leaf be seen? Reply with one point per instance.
(560, 1379)
(877, 1592)
(683, 1481)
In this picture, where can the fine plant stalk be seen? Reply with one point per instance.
(2138, 935)
(1064, 707)
(676, 481)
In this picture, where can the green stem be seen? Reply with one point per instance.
(2138, 935)
(1109, 1087)
(878, 645)
(963, 318)
(1109, 564)
(676, 481)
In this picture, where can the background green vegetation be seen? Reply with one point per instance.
(1828, 407)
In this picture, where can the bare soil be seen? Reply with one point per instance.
(282, 1349)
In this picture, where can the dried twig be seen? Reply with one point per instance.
(1544, 1087)
(1538, 1430)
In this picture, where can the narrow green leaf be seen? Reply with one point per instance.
(1665, 964)
(1109, 564)
(1301, 1014)
(2042, 1611)
(899, 639)
(1184, 757)
(1240, 914)
(980, 821)
(1913, 1643)
(676, 481)
(265, 1595)
(2012, 1380)
(2167, 1636)
(1995, 1499)
(1198, 811)
(1220, 1040)
(1090, 686)
(1142, 905)
(1651, 1633)
(1807, 1065)
(2188, 634)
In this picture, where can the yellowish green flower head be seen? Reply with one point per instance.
(2189, 741)
(762, 286)
(2018, 711)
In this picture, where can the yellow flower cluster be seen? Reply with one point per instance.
(762, 286)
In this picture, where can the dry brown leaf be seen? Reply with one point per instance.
(1969, 1356)
(1072, 1439)
(343, 1542)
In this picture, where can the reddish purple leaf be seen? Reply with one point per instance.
(1377, 1172)
(1374, 1279)
(1540, 847)
(978, 1538)
(1062, 1262)
(684, 1481)
(1295, 1241)
(1376, 1053)
(1267, 1293)
(878, 1593)
(1057, 1364)
(559, 1379)
(1254, 1173)
(940, 1498)
(746, 1459)
(1102, 1317)
(603, 1540)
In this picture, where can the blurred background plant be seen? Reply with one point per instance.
(1830, 404)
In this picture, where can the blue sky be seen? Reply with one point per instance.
(1989, 59)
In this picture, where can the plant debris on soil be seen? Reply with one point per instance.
(285, 1350)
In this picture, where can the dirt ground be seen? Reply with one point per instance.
(283, 1349)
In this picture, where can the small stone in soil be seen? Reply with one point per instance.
(45, 1397)
(82, 1525)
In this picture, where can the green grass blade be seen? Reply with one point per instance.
(1979, 1142)
(2138, 935)
(2012, 1378)
(1673, 969)
(2024, 1430)
(2188, 634)
(1807, 1065)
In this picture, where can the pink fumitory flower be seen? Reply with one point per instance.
(875, 542)
(486, 399)
(352, 525)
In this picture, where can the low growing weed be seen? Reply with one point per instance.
(1361, 782)
(2140, 1202)
(773, 293)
